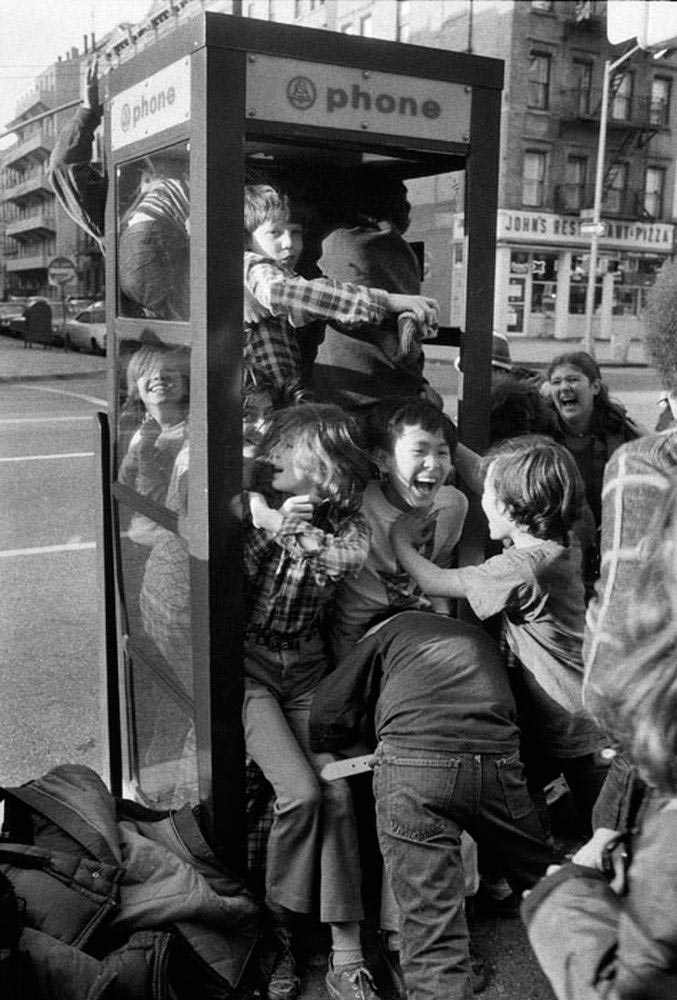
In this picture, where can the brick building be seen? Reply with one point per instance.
(554, 55)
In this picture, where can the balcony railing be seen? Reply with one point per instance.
(36, 180)
(571, 198)
(39, 144)
(44, 220)
(585, 105)
(29, 263)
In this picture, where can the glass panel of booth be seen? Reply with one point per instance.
(153, 233)
(152, 493)
(152, 455)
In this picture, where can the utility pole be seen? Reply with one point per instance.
(596, 227)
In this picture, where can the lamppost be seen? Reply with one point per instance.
(595, 227)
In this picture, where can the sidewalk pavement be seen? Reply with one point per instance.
(19, 363)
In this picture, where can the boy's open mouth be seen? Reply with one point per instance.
(425, 486)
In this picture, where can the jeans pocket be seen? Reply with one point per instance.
(511, 778)
(413, 795)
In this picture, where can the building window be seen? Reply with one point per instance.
(347, 28)
(614, 197)
(621, 104)
(660, 101)
(576, 178)
(538, 84)
(367, 26)
(654, 184)
(583, 86)
(533, 178)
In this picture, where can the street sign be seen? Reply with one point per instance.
(592, 229)
(61, 271)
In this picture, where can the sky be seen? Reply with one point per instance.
(33, 33)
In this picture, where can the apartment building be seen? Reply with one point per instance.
(36, 229)
(554, 55)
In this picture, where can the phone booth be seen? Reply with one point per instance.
(187, 121)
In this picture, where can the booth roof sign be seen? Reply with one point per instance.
(341, 97)
(61, 271)
(157, 103)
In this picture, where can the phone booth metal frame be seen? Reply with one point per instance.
(219, 86)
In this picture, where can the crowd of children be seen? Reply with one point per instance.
(351, 629)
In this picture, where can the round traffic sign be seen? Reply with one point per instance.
(61, 271)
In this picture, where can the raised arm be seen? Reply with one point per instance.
(432, 579)
(322, 298)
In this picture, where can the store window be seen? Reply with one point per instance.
(661, 87)
(634, 274)
(578, 287)
(538, 82)
(614, 198)
(654, 185)
(576, 179)
(533, 178)
(545, 5)
(622, 86)
(544, 282)
(583, 86)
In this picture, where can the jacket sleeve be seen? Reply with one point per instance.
(572, 922)
(302, 301)
(635, 478)
(330, 555)
(80, 186)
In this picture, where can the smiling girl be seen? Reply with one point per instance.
(591, 427)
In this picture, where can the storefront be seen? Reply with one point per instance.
(542, 265)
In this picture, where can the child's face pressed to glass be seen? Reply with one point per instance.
(257, 409)
(290, 473)
(418, 466)
(162, 383)
(278, 238)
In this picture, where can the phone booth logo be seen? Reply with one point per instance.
(301, 93)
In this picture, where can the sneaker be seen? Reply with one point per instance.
(350, 982)
(283, 982)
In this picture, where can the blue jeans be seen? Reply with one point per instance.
(424, 799)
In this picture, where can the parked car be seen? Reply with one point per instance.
(12, 323)
(86, 331)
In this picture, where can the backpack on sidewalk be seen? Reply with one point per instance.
(61, 871)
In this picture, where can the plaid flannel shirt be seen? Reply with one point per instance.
(292, 576)
(636, 477)
(271, 348)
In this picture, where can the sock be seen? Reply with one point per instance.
(346, 945)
